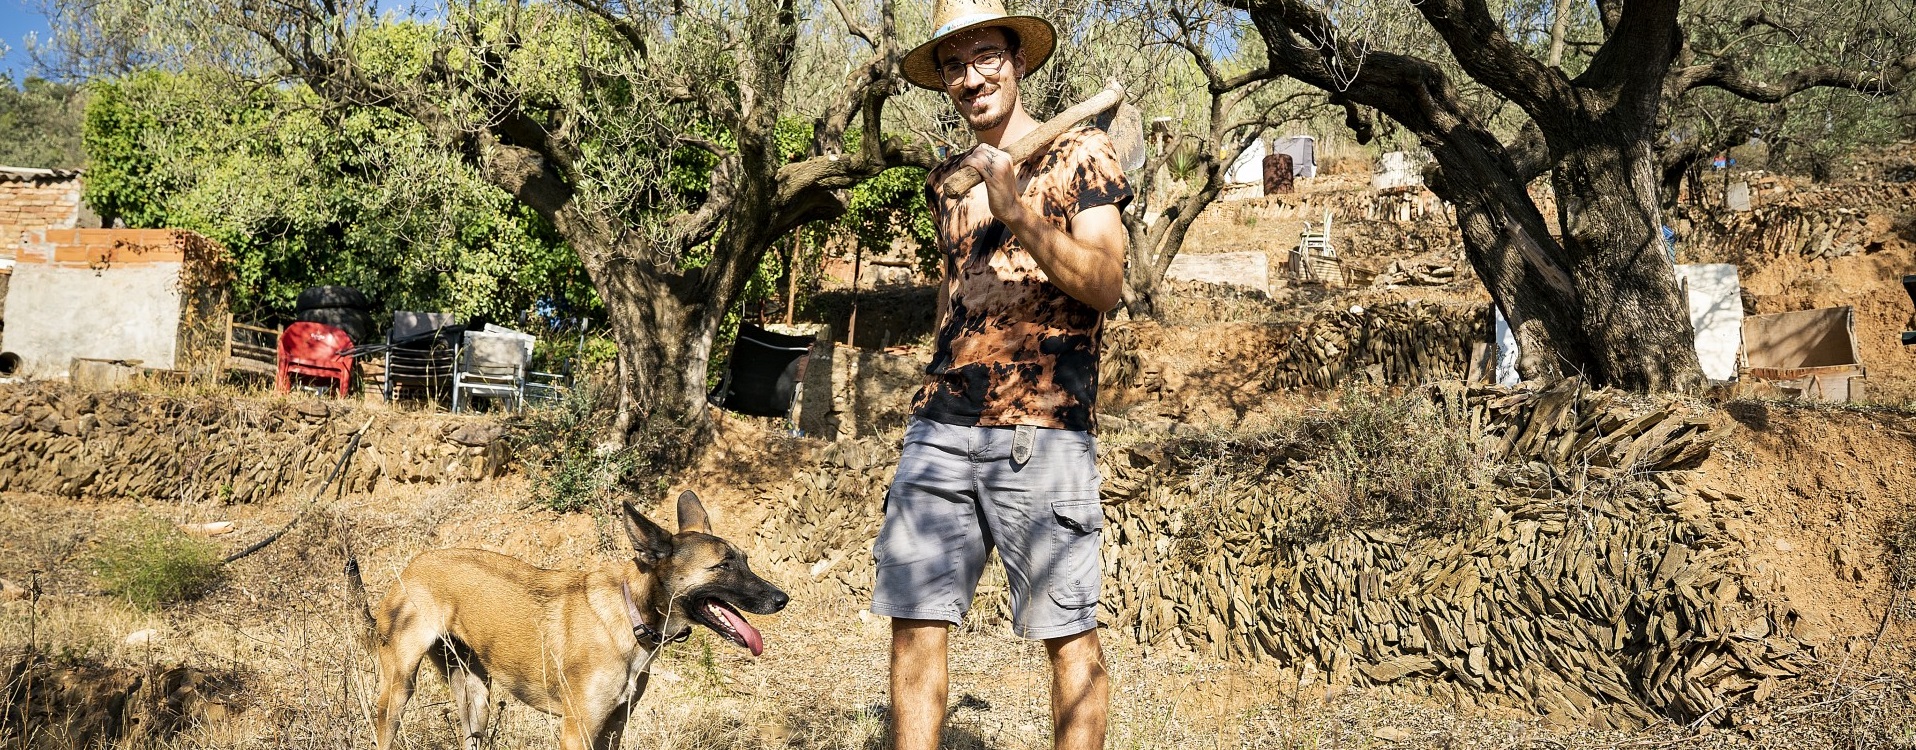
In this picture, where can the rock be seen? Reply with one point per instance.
(1845, 562)
(142, 637)
(214, 528)
(314, 410)
(1392, 734)
(1394, 669)
(475, 434)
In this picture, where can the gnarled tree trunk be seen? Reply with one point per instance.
(1599, 301)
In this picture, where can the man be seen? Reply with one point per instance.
(999, 452)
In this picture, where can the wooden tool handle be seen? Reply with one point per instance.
(963, 180)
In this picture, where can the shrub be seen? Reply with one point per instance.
(1394, 460)
(570, 471)
(1376, 460)
(151, 564)
(1899, 536)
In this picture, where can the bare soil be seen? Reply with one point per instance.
(1823, 483)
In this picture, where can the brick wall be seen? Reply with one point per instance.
(36, 199)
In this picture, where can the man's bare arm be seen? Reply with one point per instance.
(1086, 262)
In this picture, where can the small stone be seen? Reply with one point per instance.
(214, 528)
(1783, 545)
(1392, 734)
(142, 637)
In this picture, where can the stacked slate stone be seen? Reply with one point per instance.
(60, 441)
(827, 517)
(1599, 588)
(1811, 224)
(1393, 344)
(1416, 273)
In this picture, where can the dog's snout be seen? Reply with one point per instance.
(770, 600)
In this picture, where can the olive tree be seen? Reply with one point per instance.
(1237, 101)
(647, 133)
(1600, 297)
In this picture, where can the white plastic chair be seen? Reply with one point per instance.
(491, 363)
(1319, 242)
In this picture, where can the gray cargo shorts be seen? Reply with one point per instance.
(959, 493)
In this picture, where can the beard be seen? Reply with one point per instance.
(995, 110)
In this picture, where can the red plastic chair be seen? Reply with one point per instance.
(313, 350)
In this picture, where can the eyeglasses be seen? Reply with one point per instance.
(987, 64)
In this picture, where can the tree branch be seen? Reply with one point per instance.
(1635, 57)
(1723, 74)
(829, 129)
(625, 28)
(704, 144)
(1488, 56)
(852, 24)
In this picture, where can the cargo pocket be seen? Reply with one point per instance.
(1074, 584)
(1079, 513)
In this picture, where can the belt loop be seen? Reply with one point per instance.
(1021, 442)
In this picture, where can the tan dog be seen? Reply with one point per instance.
(577, 645)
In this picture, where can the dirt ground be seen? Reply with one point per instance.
(1866, 281)
(1825, 484)
(1825, 479)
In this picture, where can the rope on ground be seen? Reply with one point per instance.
(338, 468)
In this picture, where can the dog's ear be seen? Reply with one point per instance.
(692, 514)
(651, 542)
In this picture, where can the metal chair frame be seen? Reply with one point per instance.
(472, 376)
(417, 354)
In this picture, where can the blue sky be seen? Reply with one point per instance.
(17, 19)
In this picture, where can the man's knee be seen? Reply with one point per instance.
(910, 634)
(1076, 650)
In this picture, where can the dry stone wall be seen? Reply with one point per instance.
(1405, 343)
(62, 441)
(1600, 588)
(1816, 223)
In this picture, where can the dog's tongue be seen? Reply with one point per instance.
(753, 640)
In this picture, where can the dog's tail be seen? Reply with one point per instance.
(368, 630)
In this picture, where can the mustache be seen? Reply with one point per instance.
(969, 92)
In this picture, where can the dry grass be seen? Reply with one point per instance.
(279, 623)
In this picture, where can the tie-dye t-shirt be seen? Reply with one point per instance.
(1015, 350)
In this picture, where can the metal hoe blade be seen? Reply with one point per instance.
(1126, 128)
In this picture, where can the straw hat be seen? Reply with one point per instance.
(1036, 37)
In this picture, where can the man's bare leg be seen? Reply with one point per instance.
(1080, 691)
(919, 682)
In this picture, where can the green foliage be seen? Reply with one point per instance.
(41, 120)
(301, 196)
(559, 448)
(887, 206)
(1183, 159)
(151, 564)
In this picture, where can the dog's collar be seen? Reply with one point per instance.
(641, 630)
